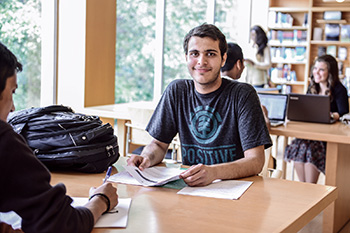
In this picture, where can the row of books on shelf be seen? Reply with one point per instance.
(341, 53)
(285, 54)
(332, 32)
(346, 83)
(285, 20)
(293, 37)
(282, 74)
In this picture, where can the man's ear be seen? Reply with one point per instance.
(224, 59)
(239, 64)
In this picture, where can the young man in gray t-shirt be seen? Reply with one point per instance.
(220, 122)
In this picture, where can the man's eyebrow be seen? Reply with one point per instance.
(208, 50)
(211, 50)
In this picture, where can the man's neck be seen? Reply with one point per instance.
(210, 87)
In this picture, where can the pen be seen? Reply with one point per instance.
(108, 174)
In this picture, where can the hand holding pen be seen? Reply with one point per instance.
(106, 192)
(108, 174)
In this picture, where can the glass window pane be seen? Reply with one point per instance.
(20, 31)
(226, 18)
(181, 16)
(135, 50)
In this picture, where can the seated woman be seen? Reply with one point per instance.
(310, 156)
(25, 181)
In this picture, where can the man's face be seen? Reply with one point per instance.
(6, 100)
(204, 62)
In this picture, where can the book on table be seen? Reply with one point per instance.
(154, 176)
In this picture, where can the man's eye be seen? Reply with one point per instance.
(211, 54)
(193, 54)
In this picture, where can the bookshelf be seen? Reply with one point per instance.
(317, 34)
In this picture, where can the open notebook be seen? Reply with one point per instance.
(276, 105)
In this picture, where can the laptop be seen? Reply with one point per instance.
(276, 105)
(309, 108)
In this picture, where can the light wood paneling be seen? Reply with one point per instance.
(100, 52)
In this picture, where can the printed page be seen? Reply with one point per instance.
(154, 176)
(117, 217)
(123, 177)
(227, 189)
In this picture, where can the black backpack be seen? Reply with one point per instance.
(63, 139)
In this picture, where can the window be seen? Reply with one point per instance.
(20, 31)
(136, 22)
(137, 26)
(181, 16)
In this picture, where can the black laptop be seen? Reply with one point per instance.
(276, 105)
(309, 108)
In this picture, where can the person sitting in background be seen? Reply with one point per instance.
(219, 121)
(25, 181)
(310, 156)
(257, 68)
(234, 67)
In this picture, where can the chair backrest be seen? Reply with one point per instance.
(269, 172)
(140, 117)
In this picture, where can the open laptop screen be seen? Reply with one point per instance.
(310, 108)
(276, 105)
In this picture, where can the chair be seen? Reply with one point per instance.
(271, 152)
(137, 136)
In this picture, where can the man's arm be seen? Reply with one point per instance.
(251, 164)
(151, 155)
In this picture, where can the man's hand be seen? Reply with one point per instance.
(139, 161)
(198, 175)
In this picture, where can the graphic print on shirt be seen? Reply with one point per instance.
(205, 127)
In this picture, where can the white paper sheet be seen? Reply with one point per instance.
(118, 217)
(227, 189)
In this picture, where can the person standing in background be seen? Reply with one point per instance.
(257, 67)
(310, 156)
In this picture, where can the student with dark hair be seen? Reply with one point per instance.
(220, 122)
(258, 66)
(234, 65)
(310, 156)
(25, 181)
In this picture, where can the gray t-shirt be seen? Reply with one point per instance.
(213, 128)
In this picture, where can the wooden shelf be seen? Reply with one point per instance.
(289, 9)
(342, 21)
(289, 28)
(323, 9)
(315, 10)
(329, 42)
(290, 83)
(277, 43)
(276, 61)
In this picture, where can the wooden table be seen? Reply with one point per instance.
(269, 205)
(337, 137)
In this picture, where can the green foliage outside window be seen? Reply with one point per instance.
(135, 46)
(20, 32)
(135, 50)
